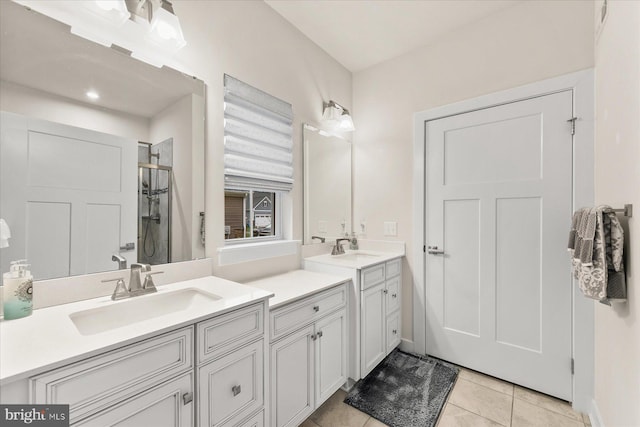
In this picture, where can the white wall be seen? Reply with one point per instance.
(251, 42)
(46, 106)
(527, 42)
(617, 328)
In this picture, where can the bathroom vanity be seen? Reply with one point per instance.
(308, 342)
(194, 345)
(374, 303)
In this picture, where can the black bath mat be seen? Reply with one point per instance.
(404, 390)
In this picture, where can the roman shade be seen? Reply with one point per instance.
(258, 139)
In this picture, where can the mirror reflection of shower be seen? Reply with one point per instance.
(155, 162)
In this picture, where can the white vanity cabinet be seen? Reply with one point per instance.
(379, 313)
(216, 365)
(308, 354)
(154, 376)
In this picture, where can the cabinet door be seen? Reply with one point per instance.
(231, 387)
(372, 313)
(393, 331)
(331, 355)
(292, 378)
(169, 404)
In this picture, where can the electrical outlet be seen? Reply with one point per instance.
(390, 228)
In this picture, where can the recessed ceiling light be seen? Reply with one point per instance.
(93, 95)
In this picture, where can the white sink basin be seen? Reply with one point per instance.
(356, 256)
(137, 309)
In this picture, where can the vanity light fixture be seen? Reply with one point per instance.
(337, 118)
(149, 29)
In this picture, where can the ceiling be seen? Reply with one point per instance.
(360, 34)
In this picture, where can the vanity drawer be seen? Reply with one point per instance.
(393, 268)
(223, 333)
(372, 275)
(99, 382)
(231, 387)
(296, 315)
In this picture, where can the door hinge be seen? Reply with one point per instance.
(573, 366)
(572, 121)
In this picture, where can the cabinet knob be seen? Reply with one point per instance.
(395, 332)
(316, 308)
(187, 398)
(236, 389)
(314, 337)
(394, 295)
(319, 334)
(386, 291)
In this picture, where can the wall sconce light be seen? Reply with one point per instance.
(337, 118)
(149, 29)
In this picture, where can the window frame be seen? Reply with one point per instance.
(275, 222)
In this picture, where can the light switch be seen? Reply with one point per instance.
(390, 228)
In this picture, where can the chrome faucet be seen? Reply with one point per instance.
(135, 283)
(322, 239)
(338, 249)
(122, 261)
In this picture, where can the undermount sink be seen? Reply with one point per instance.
(356, 256)
(138, 309)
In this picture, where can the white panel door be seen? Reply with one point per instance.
(498, 209)
(331, 355)
(68, 194)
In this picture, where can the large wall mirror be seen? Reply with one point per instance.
(327, 185)
(101, 155)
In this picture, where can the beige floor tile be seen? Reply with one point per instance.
(482, 401)
(547, 402)
(308, 423)
(372, 422)
(526, 414)
(453, 416)
(335, 413)
(586, 419)
(487, 381)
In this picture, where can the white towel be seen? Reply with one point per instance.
(5, 234)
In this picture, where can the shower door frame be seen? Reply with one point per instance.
(169, 170)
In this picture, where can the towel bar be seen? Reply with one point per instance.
(626, 211)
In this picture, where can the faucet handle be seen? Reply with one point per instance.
(148, 281)
(121, 290)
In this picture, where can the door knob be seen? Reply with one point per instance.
(433, 250)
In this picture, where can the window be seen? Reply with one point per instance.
(258, 162)
(251, 214)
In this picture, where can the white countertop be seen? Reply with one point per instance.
(366, 259)
(295, 285)
(48, 338)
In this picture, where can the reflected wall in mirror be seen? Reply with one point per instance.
(101, 156)
(327, 185)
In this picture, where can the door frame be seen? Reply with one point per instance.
(581, 83)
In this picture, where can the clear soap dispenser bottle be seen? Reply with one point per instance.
(353, 242)
(17, 291)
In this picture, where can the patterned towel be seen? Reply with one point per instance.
(602, 277)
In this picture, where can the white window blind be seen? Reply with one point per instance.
(258, 139)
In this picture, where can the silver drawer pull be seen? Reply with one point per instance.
(187, 398)
(236, 389)
(386, 291)
(314, 337)
(319, 334)
(395, 332)
(394, 295)
(316, 308)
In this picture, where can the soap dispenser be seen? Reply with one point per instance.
(353, 242)
(17, 291)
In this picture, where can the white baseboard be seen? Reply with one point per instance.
(407, 346)
(594, 415)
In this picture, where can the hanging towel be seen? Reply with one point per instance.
(577, 215)
(600, 276)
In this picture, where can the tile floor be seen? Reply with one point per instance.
(476, 400)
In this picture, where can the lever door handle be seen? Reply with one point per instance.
(433, 250)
